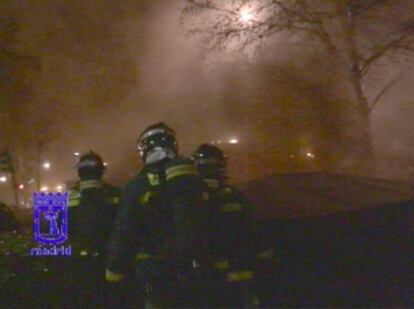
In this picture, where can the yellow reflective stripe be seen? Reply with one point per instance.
(221, 265)
(113, 277)
(74, 202)
(231, 207)
(115, 200)
(180, 170)
(90, 184)
(226, 192)
(74, 198)
(266, 254)
(153, 179)
(142, 256)
(143, 199)
(145, 256)
(240, 276)
(74, 194)
(212, 183)
(255, 301)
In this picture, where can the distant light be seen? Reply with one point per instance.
(105, 163)
(245, 15)
(46, 165)
(233, 141)
(21, 186)
(218, 142)
(310, 155)
(59, 188)
(3, 179)
(76, 154)
(44, 188)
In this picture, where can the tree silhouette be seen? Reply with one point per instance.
(358, 36)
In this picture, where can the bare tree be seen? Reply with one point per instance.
(360, 35)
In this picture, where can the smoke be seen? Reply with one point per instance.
(102, 72)
(99, 72)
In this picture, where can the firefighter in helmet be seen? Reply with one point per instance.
(92, 209)
(155, 229)
(231, 232)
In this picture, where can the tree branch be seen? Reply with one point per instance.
(384, 90)
(393, 44)
(210, 6)
(303, 19)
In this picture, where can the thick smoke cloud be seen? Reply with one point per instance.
(101, 71)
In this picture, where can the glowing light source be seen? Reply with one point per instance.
(3, 179)
(59, 188)
(245, 15)
(76, 154)
(46, 165)
(233, 141)
(310, 155)
(105, 163)
(21, 186)
(44, 188)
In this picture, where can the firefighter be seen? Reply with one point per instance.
(92, 210)
(155, 227)
(8, 221)
(231, 233)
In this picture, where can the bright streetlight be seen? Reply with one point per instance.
(233, 141)
(59, 188)
(44, 188)
(46, 165)
(245, 16)
(310, 155)
(76, 154)
(105, 163)
(21, 186)
(3, 179)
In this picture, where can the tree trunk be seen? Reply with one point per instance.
(362, 149)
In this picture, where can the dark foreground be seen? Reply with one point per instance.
(359, 259)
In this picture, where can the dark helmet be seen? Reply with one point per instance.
(210, 161)
(157, 137)
(90, 165)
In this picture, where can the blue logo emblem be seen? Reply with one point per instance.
(50, 218)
